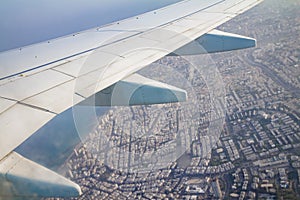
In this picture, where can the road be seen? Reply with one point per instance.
(274, 76)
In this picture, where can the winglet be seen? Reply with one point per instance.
(22, 177)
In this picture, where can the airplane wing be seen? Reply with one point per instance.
(40, 81)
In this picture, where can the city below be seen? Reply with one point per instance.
(247, 147)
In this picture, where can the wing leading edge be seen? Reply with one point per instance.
(71, 69)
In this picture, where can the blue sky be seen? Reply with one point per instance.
(24, 22)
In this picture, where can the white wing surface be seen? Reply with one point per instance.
(38, 82)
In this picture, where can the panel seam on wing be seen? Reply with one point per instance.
(28, 105)
(63, 73)
(11, 168)
(36, 107)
